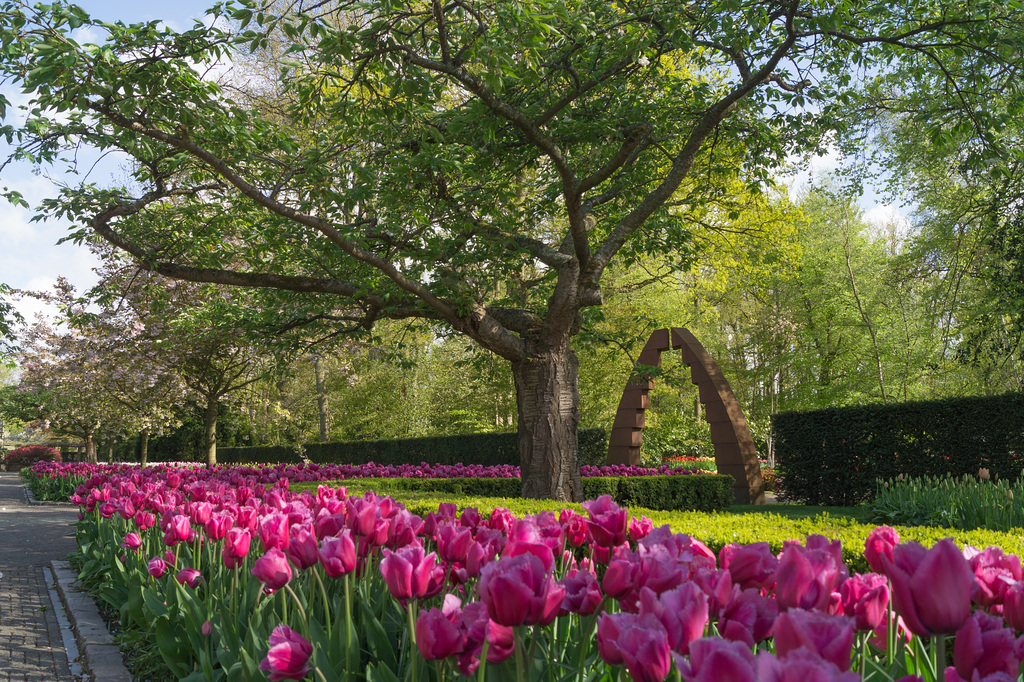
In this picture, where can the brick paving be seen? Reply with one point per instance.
(31, 536)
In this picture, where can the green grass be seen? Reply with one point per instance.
(800, 511)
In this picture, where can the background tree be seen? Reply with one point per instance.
(479, 165)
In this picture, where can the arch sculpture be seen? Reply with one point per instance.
(734, 448)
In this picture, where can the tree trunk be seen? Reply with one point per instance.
(210, 422)
(144, 446)
(547, 395)
(321, 399)
(90, 447)
(110, 451)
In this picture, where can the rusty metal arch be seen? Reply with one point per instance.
(735, 453)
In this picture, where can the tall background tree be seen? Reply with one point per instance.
(478, 165)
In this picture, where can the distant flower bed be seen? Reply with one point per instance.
(266, 475)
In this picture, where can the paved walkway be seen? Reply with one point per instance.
(31, 646)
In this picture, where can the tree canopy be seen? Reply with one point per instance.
(477, 164)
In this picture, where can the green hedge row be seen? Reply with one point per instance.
(717, 529)
(487, 449)
(698, 492)
(834, 456)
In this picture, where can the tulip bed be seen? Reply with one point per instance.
(239, 577)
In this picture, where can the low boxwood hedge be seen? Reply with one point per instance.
(703, 492)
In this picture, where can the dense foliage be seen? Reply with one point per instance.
(28, 455)
(835, 456)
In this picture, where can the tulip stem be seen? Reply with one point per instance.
(302, 611)
(323, 595)
(940, 655)
(349, 649)
(483, 661)
(410, 608)
(519, 645)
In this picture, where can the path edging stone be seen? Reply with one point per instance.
(96, 644)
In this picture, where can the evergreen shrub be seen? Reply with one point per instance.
(834, 456)
(27, 455)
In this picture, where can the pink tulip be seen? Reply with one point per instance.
(144, 520)
(189, 576)
(713, 659)
(179, 530)
(288, 657)
(716, 583)
(829, 637)
(218, 525)
(403, 529)
(518, 591)
(994, 572)
(865, 597)
(751, 566)
(747, 617)
(273, 570)
(236, 547)
(361, 515)
(338, 554)
(479, 628)
(802, 665)
(582, 593)
(412, 574)
(273, 532)
(1013, 606)
(917, 575)
(983, 647)
(639, 527)
(806, 578)
(453, 542)
(638, 642)
(526, 538)
(302, 548)
(608, 523)
(879, 544)
(132, 542)
(623, 573)
(574, 526)
(682, 611)
(157, 567)
(439, 632)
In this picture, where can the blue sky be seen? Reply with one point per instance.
(29, 255)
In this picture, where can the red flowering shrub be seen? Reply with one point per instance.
(30, 454)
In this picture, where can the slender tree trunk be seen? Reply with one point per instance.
(321, 399)
(210, 422)
(547, 395)
(110, 451)
(144, 446)
(90, 447)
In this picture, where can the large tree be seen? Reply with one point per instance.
(479, 164)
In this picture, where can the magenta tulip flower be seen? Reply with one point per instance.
(518, 591)
(751, 566)
(338, 554)
(994, 572)
(288, 657)
(144, 520)
(879, 544)
(608, 522)
(865, 597)
(829, 637)
(639, 528)
(132, 542)
(747, 617)
(713, 659)
(273, 570)
(439, 632)
(273, 532)
(410, 573)
(480, 628)
(682, 611)
(806, 578)
(157, 567)
(984, 647)
(218, 525)
(526, 538)
(638, 642)
(574, 526)
(302, 548)
(179, 530)
(453, 542)
(236, 546)
(716, 583)
(582, 593)
(917, 575)
(802, 665)
(1013, 606)
(189, 576)
(623, 573)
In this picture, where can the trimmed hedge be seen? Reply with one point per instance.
(697, 492)
(487, 449)
(717, 529)
(834, 456)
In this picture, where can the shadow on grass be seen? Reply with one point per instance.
(801, 511)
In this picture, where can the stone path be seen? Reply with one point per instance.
(31, 536)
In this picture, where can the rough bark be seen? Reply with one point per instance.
(90, 447)
(321, 399)
(210, 424)
(144, 446)
(547, 394)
